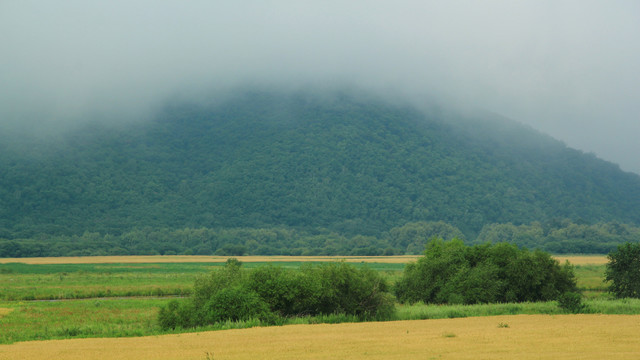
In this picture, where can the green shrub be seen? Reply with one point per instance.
(451, 272)
(623, 271)
(177, 315)
(280, 289)
(207, 286)
(571, 302)
(234, 303)
(271, 294)
(354, 291)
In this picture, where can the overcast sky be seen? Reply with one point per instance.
(570, 69)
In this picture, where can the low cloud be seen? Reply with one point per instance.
(568, 69)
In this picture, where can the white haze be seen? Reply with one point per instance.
(567, 68)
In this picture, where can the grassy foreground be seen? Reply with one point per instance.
(113, 317)
(495, 337)
(99, 304)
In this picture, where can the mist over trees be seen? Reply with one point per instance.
(266, 172)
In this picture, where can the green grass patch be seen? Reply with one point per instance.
(45, 320)
(591, 281)
(79, 285)
(118, 317)
(105, 314)
(77, 281)
(81, 281)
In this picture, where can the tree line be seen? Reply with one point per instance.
(557, 236)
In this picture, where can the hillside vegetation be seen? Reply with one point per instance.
(294, 173)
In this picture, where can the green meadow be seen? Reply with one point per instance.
(81, 281)
(58, 301)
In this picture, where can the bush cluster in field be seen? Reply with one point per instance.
(272, 294)
(451, 272)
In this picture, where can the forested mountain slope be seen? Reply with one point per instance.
(352, 164)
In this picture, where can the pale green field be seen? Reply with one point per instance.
(100, 302)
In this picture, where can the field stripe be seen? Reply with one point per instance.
(399, 259)
(584, 259)
(499, 337)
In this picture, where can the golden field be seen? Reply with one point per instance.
(583, 259)
(575, 260)
(4, 311)
(203, 259)
(498, 337)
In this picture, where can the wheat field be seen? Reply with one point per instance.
(399, 259)
(497, 337)
(583, 259)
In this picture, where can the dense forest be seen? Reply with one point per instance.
(561, 237)
(264, 172)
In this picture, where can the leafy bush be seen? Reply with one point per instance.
(623, 271)
(346, 289)
(176, 314)
(571, 302)
(234, 303)
(269, 293)
(451, 272)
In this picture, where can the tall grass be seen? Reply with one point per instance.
(117, 317)
(82, 281)
(591, 280)
(44, 320)
(422, 312)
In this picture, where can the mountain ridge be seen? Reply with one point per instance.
(350, 163)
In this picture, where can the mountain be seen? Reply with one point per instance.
(339, 162)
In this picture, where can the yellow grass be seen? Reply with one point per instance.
(400, 259)
(214, 259)
(4, 311)
(584, 259)
(500, 337)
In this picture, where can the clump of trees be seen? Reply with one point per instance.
(451, 272)
(623, 271)
(562, 236)
(270, 294)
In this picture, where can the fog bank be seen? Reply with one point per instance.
(566, 68)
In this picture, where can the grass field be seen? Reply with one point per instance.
(120, 297)
(125, 317)
(47, 281)
(493, 337)
(119, 276)
(36, 320)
